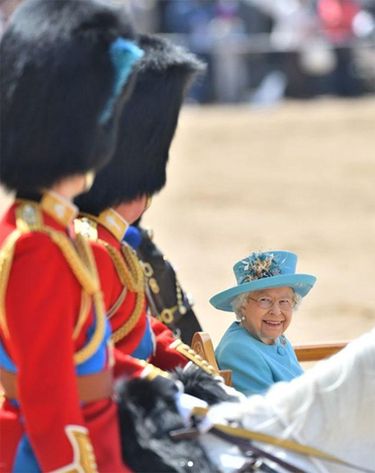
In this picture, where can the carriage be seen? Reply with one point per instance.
(321, 422)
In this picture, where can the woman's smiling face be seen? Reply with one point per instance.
(267, 313)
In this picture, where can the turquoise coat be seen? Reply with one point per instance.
(256, 366)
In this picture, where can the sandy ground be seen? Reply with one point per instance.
(298, 177)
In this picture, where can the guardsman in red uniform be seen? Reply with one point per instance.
(120, 194)
(65, 75)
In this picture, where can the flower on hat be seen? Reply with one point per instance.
(258, 266)
(263, 270)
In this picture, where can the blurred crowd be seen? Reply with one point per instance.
(260, 51)
(263, 50)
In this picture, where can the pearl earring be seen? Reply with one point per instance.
(243, 318)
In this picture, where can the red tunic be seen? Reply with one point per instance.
(51, 334)
(127, 306)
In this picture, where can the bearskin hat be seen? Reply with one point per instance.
(65, 72)
(147, 126)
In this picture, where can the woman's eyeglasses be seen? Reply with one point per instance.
(267, 302)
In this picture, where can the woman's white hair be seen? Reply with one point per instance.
(240, 301)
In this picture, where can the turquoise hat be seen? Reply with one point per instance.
(263, 270)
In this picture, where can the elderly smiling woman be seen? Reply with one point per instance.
(254, 347)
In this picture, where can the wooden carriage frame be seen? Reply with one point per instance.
(203, 345)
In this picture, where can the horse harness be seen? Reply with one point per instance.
(258, 457)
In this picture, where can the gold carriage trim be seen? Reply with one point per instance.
(193, 356)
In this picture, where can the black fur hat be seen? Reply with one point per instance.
(147, 127)
(64, 70)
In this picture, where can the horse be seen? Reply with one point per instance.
(148, 415)
(330, 409)
(167, 299)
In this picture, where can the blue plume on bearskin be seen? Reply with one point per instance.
(146, 128)
(56, 78)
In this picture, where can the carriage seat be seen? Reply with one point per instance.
(318, 351)
(203, 345)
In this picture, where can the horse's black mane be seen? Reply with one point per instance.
(147, 413)
(202, 385)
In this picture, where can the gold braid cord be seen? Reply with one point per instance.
(81, 262)
(6, 258)
(130, 273)
(129, 325)
(115, 307)
(193, 356)
(85, 250)
(83, 311)
(127, 265)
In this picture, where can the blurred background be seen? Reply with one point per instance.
(259, 51)
(274, 150)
